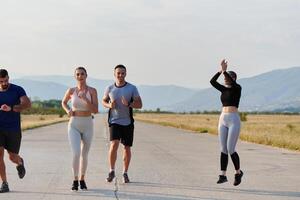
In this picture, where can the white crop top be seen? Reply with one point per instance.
(77, 103)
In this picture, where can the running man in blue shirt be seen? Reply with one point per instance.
(13, 100)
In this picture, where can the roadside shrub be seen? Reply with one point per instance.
(243, 116)
(42, 118)
(290, 127)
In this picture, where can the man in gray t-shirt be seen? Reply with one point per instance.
(120, 98)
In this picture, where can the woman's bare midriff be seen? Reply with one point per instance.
(229, 109)
(82, 113)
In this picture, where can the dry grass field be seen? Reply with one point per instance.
(275, 130)
(34, 121)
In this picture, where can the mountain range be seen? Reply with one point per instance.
(276, 90)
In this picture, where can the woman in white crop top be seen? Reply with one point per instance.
(78, 104)
(84, 102)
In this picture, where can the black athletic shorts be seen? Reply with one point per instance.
(123, 133)
(11, 140)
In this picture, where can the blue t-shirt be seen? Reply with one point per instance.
(120, 114)
(11, 121)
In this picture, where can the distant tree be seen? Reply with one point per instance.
(46, 107)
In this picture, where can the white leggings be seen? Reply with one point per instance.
(229, 131)
(80, 132)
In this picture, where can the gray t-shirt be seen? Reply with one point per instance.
(120, 114)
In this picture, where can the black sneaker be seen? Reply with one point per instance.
(222, 179)
(4, 187)
(21, 169)
(238, 178)
(111, 176)
(125, 178)
(82, 185)
(75, 186)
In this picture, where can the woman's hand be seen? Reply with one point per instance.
(70, 113)
(82, 95)
(224, 65)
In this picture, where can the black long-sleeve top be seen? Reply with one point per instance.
(230, 95)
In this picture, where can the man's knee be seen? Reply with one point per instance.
(127, 148)
(114, 145)
(127, 151)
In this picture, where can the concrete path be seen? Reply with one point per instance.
(167, 164)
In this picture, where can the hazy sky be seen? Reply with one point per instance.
(177, 42)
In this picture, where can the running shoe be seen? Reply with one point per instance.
(222, 179)
(111, 176)
(82, 185)
(238, 178)
(125, 178)
(21, 169)
(4, 187)
(75, 186)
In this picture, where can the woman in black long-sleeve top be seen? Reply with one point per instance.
(229, 122)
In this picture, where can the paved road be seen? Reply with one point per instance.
(167, 164)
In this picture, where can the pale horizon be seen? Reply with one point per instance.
(18, 76)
